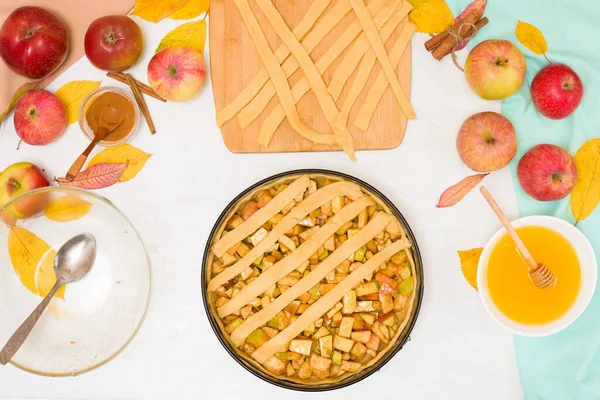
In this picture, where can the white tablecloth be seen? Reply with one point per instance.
(456, 351)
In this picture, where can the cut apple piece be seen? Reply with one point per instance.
(319, 363)
(292, 308)
(329, 244)
(320, 374)
(387, 302)
(346, 326)
(227, 260)
(305, 371)
(308, 233)
(406, 286)
(367, 288)
(270, 332)
(342, 343)
(336, 358)
(400, 302)
(358, 352)
(350, 366)
(364, 306)
(258, 236)
(337, 307)
(257, 338)
(349, 302)
(321, 332)
(279, 321)
(404, 271)
(301, 346)
(290, 371)
(287, 242)
(275, 365)
(234, 324)
(326, 345)
(379, 277)
(337, 204)
(361, 336)
(344, 228)
(373, 343)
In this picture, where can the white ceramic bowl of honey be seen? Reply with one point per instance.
(509, 296)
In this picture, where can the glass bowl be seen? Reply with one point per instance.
(99, 315)
(250, 364)
(85, 127)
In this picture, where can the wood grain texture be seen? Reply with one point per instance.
(235, 61)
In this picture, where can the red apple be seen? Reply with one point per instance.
(495, 69)
(40, 117)
(486, 141)
(16, 180)
(33, 42)
(113, 43)
(556, 91)
(177, 73)
(547, 172)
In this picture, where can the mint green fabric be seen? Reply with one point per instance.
(564, 366)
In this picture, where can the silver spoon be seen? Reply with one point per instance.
(72, 262)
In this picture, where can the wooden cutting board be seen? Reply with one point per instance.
(235, 61)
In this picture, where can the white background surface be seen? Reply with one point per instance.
(456, 351)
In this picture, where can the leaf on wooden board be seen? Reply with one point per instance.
(432, 16)
(72, 95)
(97, 176)
(455, 193)
(531, 37)
(67, 208)
(476, 4)
(33, 261)
(21, 90)
(193, 9)
(157, 10)
(469, 259)
(123, 154)
(191, 34)
(586, 193)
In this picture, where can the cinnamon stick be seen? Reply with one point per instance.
(448, 44)
(119, 76)
(470, 18)
(141, 102)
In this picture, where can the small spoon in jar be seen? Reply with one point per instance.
(541, 276)
(110, 118)
(73, 261)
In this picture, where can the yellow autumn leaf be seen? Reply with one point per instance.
(586, 193)
(191, 34)
(157, 10)
(191, 10)
(33, 261)
(123, 154)
(469, 259)
(21, 90)
(67, 208)
(72, 95)
(431, 16)
(417, 3)
(531, 37)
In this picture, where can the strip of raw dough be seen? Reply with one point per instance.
(312, 202)
(261, 216)
(280, 269)
(278, 77)
(255, 107)
(367, 109)
(362, 75)
(354, 55)
(376, 225)
(277, 115)
(304, 26)
(326, 302)
(373, 36)
(343, 137)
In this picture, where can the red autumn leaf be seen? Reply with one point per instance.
(476, 4)
(455, 193)
(97, 176)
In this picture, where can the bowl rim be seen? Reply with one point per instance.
(589, 272)
(144, 315)
(352, 379)
(82, 121)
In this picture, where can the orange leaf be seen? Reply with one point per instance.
(455, 193)
(97, 176)
(469, 259)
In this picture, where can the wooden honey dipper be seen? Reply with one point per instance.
(541, 276)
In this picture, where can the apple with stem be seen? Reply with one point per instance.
(556, 91)
(547, 172)
(33, 42)
(486, 142)
(16, 180)
(177, 73)
(495, 69)
(40, 117)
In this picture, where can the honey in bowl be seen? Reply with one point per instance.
(511, 288)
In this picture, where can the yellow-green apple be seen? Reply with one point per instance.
(486, 141)
(40, 117)
(33, 42)
(16, 180)
(177, 73)
(547, 172)
(556, 91)
(113, 42)
(495, 69)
